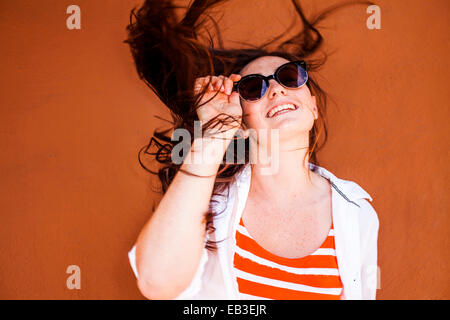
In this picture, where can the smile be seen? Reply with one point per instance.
(278, 110)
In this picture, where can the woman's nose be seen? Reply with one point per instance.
(275, 88)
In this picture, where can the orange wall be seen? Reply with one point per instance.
(74, 115)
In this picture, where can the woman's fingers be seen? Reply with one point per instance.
(217, 83)
(235, 77)
(228, 86)
(232, 79)
(198, 86)
(225, 84)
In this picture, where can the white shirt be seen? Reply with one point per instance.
(355, 232)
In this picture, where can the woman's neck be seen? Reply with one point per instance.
(288, 178)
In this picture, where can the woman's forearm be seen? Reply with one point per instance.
(169, 247)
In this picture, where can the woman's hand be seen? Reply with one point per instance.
(225, 101)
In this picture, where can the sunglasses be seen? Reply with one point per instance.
(290, 75)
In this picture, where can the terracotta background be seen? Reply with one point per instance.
(74, 115)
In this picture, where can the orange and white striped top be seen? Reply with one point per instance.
(263, 275)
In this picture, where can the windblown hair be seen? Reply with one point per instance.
(170, 53)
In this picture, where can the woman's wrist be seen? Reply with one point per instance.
(206, 154)
(204, 157)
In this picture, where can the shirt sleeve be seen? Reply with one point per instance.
(132, 259)
(369, 250)
(196, 283)
(194, 286)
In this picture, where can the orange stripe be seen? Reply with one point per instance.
(320, 281)
(311, 261)
(274, 292)
(328, 243)
(271, 292)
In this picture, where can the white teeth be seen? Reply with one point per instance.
(279, 108)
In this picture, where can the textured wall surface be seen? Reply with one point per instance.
(74, 115)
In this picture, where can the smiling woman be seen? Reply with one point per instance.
(297, 233)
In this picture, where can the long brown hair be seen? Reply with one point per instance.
(170, 53)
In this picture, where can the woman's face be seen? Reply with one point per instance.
(255, 115)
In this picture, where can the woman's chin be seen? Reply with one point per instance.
(287, 123)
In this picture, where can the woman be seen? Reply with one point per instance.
(231, 230)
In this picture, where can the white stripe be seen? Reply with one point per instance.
(244, 296)
(286, 285)
(311, 271)
(331, 233)
(324, 252)
(243, 231)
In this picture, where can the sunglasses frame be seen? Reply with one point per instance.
(274, 76)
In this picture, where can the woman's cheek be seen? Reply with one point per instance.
(250, 117)
(250, 121)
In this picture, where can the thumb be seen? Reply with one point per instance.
(234, 98)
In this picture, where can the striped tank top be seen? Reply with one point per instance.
(263, 275)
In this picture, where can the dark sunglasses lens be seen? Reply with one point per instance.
(252, 88)
(292, 75)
